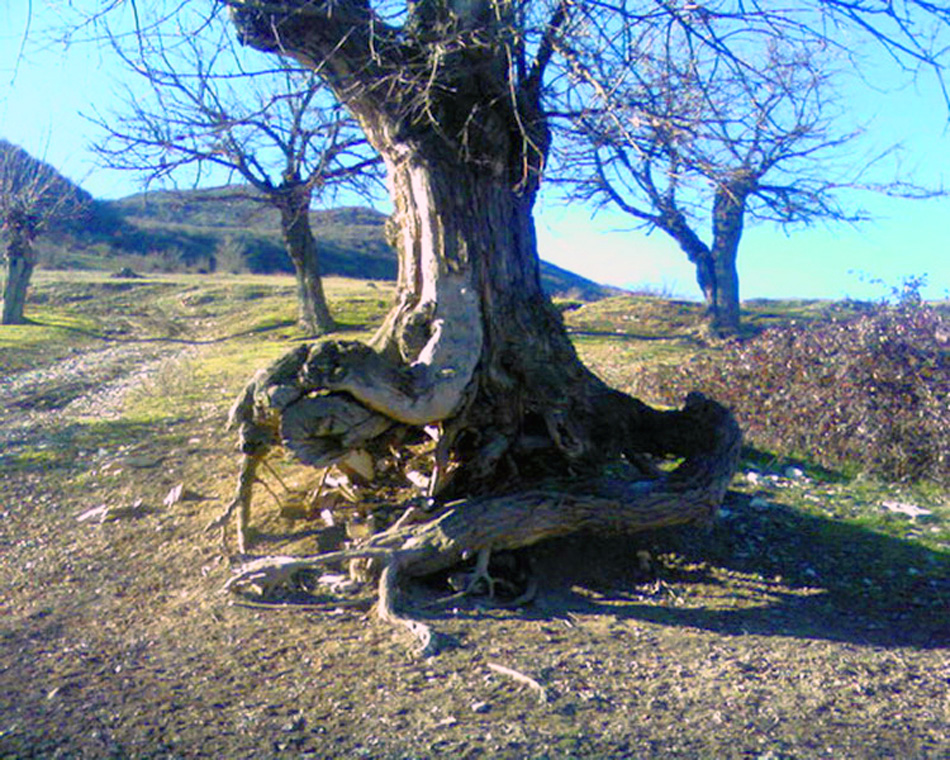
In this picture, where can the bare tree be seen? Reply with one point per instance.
(34, 197)
(271, 126)
(455, 98)
(679, 141)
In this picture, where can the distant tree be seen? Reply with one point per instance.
(679, 141)
(34, 197)
(271, 126)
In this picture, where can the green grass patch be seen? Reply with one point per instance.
(39, 458)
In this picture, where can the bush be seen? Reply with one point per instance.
(871, 390)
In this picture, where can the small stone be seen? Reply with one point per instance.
(99, 512)
(794, 473)
(174, 495)
(905, 508)
(297, 724)
(481, 707)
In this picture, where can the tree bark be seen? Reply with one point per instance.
(700, 255)
(728, 211)
(313, 312)
(20, 262)
(726, 312)
(716, 272)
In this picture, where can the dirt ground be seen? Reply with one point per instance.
(776, 634)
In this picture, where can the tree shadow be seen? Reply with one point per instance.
(107, 337)
(766, 571)
(61, 446)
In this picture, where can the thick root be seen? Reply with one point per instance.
(431, 386)
(385, 608)
(241, 503)
(479, 526)
(325, 401)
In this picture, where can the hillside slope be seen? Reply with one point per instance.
(228, 229)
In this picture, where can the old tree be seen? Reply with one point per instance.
(456, 97)
(34, 198)
(209, 109)
(700, 149)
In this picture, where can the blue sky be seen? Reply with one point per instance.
(42, 94)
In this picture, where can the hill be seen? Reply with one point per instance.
(229, 229)
(240, 232)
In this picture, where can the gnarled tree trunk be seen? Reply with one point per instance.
(472, 348)
(716, 272)
(20, 261)
(674, 223)
(313, 312)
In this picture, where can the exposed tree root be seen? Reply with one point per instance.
(241, 503)
(528, 416)
(477, 526)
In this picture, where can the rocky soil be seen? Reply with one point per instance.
(86, 384)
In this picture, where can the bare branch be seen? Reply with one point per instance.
(209, 109)
(33, 195)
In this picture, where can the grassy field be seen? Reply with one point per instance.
(810, 621)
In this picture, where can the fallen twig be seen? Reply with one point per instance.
(305, 606)
(520, 678)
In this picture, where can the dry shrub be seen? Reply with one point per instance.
(870, 390)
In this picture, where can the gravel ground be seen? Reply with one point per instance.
(89, 384)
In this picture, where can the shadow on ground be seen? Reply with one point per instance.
(771, 571)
